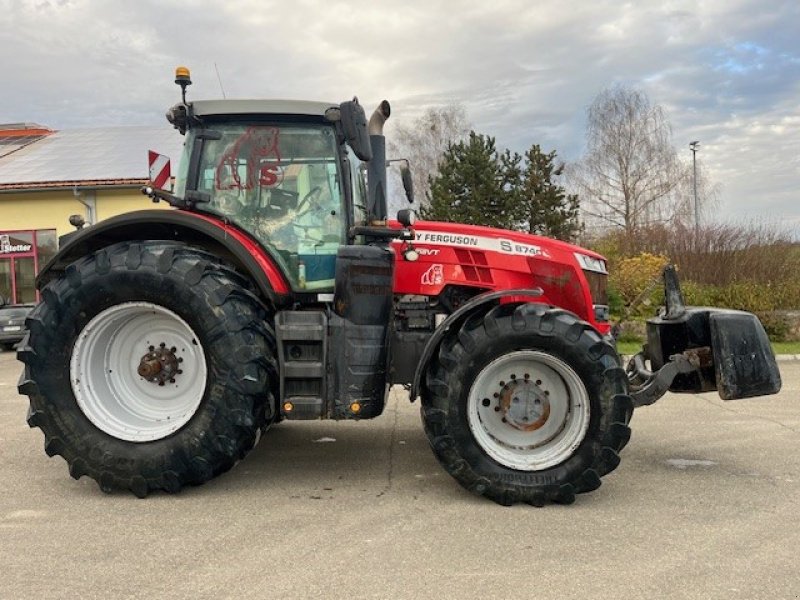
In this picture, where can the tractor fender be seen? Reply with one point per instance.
(479, 303)
(202, 231)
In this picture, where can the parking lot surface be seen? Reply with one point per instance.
(706, 504)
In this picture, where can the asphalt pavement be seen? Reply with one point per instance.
(706, 504)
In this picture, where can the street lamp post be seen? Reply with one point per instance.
(693, 146)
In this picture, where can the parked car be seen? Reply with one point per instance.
(12, 324)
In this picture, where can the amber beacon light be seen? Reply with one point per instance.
(183, 78)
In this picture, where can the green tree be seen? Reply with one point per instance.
(544, 206)
(475, 184)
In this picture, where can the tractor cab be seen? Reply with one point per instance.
(283, 172)
(287, 173)
(286, 179)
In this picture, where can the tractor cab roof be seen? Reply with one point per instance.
(206, 108)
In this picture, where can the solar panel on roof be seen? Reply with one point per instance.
(13, 143)
(111, 153)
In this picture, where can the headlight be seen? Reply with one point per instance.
(594, 269)
(589, 263)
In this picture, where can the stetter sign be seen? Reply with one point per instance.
(6, 247)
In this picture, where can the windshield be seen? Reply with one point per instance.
(280, 183)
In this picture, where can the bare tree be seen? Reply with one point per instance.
(630, 174)
(424, 141)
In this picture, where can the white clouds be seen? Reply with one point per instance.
(756, 157)
(728, 71)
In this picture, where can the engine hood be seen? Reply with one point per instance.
(485, 258)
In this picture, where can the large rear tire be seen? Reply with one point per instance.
(149, 366)
(526, 404)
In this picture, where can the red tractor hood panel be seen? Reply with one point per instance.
(496, 259)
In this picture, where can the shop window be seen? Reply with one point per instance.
(46, 246)
(25, 276)
(22, 255)
(5, 282)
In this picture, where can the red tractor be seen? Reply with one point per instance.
(167, 341)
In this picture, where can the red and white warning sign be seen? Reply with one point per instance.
(160, 174)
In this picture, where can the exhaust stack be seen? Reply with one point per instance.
(376, 169)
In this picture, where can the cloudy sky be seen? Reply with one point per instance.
(726, 71)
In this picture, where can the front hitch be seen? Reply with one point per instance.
(693, 350)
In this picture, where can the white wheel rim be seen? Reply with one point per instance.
(105, 372)
(528, 410)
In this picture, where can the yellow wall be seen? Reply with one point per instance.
(52, 209)
(116, 202)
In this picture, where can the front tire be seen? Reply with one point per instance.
(149, 366)
(526, 404)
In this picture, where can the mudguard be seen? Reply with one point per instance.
(219, 238)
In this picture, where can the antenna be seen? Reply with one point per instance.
(220, 81)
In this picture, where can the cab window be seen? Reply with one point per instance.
(280, 183)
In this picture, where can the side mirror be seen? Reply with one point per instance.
(354, 126)
(408, 183)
